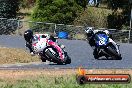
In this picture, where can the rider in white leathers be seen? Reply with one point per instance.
(29, 37)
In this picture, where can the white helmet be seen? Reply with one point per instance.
(89, 31)
(106, 31)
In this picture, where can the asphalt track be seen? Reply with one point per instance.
(79, 51)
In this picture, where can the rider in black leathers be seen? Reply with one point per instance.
(90, 32)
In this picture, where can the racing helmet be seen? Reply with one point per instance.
(89, 31)
(28, 35)
(107, 32)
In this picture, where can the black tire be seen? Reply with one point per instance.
(49, 55)
(53, 58)
(68, 60)
(113, 53)
(43, 59)
(59, 63)
(95, 54)
(119, 57)
(107, 57)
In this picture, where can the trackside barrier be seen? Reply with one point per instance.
(17, 27)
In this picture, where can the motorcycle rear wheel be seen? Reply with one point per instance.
(95, 54)
(43, 59)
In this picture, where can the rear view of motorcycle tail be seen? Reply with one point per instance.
(104, 45)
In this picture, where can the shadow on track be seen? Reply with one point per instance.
(57, 64)
(103, 58)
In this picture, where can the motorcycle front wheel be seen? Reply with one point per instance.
(67, 59)
(54, 57)
(50, 56)
(113, 53)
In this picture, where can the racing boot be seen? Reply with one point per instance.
(32, 53)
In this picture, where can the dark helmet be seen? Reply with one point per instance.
(28, 35)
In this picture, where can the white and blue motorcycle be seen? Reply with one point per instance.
(105, 47)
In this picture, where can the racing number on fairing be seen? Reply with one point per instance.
(101, 41)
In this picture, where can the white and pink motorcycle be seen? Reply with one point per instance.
(49, 50)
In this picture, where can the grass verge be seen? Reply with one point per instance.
(64, 78)
(13, 55)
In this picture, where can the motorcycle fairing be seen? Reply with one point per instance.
(101, 39)
(58, 49)
(38, 43)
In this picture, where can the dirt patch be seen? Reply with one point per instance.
(19, 74)
(13, 55)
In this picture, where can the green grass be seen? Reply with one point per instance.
(55, 82)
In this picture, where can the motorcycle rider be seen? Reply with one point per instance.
(28, 36)
(90, 32)
(51, 40)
